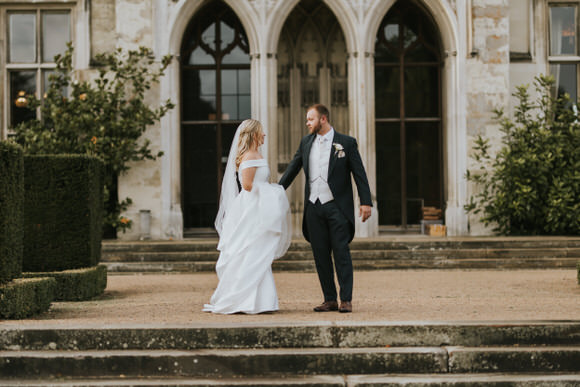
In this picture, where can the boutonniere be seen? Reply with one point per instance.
(338, 150)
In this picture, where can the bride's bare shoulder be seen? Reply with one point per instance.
(251, 155)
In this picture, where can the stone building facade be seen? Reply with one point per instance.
(415, 81)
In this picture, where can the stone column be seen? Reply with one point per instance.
(171, 214)
(360, 90)
(454, 80)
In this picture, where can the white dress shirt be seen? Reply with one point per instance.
(318, 168)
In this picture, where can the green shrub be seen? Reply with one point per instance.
(78, 284)
(22, 298)
(532, 185)
(62, 212)
(11, 204)
(578, 272)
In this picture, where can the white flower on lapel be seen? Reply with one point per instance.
(338, 150)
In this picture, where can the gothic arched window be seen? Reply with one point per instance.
(215, 98)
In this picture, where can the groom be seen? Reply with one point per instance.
(329, 158)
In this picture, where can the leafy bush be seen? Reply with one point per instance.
(532, 185)
(78, 284)
(62, 212)
(105, 118)
(11, 198)
(22, 298)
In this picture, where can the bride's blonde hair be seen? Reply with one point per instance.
(249, 132)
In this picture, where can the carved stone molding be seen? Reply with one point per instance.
(263, 7)
(452, 4)
(360, 7)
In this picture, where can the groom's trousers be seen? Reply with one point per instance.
(328, 231)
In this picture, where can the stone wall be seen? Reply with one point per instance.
(129, 24)
(487, 78)
(103, 26)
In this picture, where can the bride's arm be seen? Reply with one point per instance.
(248, 177)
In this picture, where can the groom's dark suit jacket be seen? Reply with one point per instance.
(340, 168)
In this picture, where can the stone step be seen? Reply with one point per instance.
(465, 380)
(215, 363)
(194, 256)
(305, 381)
(368, 254)
(514, 359)
(358, 264)
(318, 335)
(415, 243)
(222, 363)
(428, 380)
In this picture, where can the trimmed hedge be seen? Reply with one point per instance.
(11, 205)
(63, 209)
(25, 297)
(78, 284)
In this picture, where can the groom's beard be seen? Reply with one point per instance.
(315, 129)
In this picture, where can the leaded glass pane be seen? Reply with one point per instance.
(391, 32)
(200, 57)
(563, 30)
(387, 86)
(244, 81)
(227, 34)
(229, 107)
(388, 153)
(244, 107)
(22, 37)
(208, 36)
(236, 56)
(55, 34)
(566, 80)
(422, 167)
(198, 103)
(22, 84)
(198, 155)
(422, 91)
(229, 81)
(207, 78)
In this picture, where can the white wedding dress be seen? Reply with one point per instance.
(256, 230)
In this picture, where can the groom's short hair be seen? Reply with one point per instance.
(321, 109)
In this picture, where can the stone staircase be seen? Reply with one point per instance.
(413, 252)
(313, 354)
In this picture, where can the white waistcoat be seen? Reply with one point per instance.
(318, 168)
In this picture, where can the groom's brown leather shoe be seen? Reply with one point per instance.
(345, 307)
(327, 306)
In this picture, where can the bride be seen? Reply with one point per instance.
(254, 229)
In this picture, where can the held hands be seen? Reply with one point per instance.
(365, 212)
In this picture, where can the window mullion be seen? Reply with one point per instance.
(38, 37)
(564, 59)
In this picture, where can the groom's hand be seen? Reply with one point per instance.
(365, 212)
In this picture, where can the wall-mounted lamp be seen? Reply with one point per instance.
(21, 100)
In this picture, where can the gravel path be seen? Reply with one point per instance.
(394, 295)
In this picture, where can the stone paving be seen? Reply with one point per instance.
(393, 295)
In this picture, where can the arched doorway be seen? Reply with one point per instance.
(215, 98)
(408, 62)
(312, 68)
